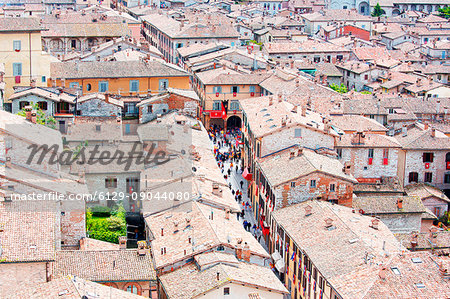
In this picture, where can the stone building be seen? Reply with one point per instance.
(433, 198)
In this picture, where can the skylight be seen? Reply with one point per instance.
(396, 270)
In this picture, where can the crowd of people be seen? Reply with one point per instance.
(228, 156)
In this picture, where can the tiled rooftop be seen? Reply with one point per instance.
(106, 265)
(374, 205)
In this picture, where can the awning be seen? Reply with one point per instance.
(280, 266)
(247, 175)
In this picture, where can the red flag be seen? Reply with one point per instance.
(224, 113)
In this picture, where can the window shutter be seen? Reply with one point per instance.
(431, 157)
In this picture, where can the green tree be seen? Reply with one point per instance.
(444, 12)
(339, 88)
(107, 229)
(377, 11)
(41, 118)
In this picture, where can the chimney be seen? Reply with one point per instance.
(414, 240)
(162, 231)
(294, 109)
(375, 222)
(239, 251)
(141, 251)
(328, 222)
(400, 204)
(348, 167)
(292, 154)
(308, 210)
(405, 131)
(270, 100)
(175, 226)
(291, 64)
(280, 97)
(246, 252)
(297, 82)
(425, 127)
(433, 132)
(216, 190)
(235, 67)
(218, 276)
(303, 110)
(8, 163)
(123, 242)
(382, 273)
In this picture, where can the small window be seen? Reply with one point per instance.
(217, 105)
(332, 188)
(23, 104)
(366, 77)
(226, 291)
(413, 177)
(217, 89)
(17, 69)
(74, 85)
(395, 270)
(447, 178)
(234, 89)
(234, 105)
(292, 184)
(428, 178)
(88, 87)
(134, 85)
(428, 157)
(150, 109)
(17, 45)
(42, 105)
(370, 153)
(252, 88)
(43, 79)
(163, 84)
(103, 86)
(420, 285)
(111, 183)
(298, 133)
(98, 128)
(312, 183)
(132, 289)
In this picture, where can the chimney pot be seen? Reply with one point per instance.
(123, 242)
(433, 132)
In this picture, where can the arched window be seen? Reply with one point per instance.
(88, 86)
(413, 177)
(133, 288)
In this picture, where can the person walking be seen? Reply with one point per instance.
(241, 182)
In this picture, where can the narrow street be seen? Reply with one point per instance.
(235, 178)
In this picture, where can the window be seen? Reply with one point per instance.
(395, 270)
(437, 211)
(252, 89)
(332, 188)
(234, 105)
(385, 156)
(232, 44)
(217, 89)
(88, 86)
(427, 157)
(73, 43)
(17, 45)
(103, 86)
(217, 105)
(17, 69)
(74, 85)
(292, 184)
(447, 178)
(132, 289)
(366, 77)
(428, 178)
(163, 84)
(413, 177)
(226, 291)
(339, 153)
(43, 79)
(23, 104)
(134, 85)
(111, 183)
(234, 89)
(98, 128)
(42, 105)
(370, 153)
(339, 57)
(316, 58)
(298, 133)
(150, 109)
(391, 110)
(312, 183)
